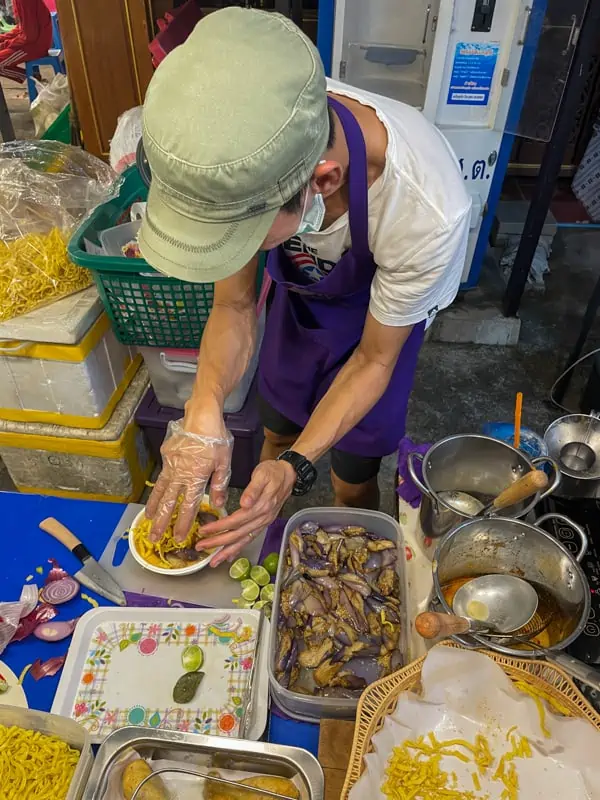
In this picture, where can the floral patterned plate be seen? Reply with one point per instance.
(124, 662)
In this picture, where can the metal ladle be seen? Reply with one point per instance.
(534, 481)
(497, 603)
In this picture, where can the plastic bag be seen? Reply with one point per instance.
(46, 189)
(125, 140)
(49, 103)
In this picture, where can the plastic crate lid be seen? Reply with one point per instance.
(246, 422)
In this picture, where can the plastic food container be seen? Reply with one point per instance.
(52, 725)
(302, 706)
(113, 240)
(173, 373)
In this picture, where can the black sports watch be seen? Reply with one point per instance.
(306, 474)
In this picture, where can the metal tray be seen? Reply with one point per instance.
(206, 752)
(305, 707)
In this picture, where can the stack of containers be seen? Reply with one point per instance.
(164, 319)
(68, 393)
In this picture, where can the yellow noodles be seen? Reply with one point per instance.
(34, 270)
(34, 766)
(154, 552)
(414, 771)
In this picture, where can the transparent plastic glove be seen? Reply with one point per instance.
(190, 461)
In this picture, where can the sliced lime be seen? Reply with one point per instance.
(260, 575)
(192, 658)
(250, 590)
(271, 563)
(267, 593)
(241, 603)
(240, 569)
(266, 608)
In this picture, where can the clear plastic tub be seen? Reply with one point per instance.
(113, 240)
(173, 373)
(52, 725)
(302, 706)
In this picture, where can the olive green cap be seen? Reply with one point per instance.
(235, 121)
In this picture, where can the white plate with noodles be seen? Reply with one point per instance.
(168, 557)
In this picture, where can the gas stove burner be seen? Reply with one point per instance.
(586, 512)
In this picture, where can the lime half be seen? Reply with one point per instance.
(266, 608)
(271, 563)
(250, 590)
(267, 593)
(260, 576)
(240, 569)
(241, 603)
(192, 658)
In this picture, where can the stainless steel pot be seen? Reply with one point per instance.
(474, 464)
(574, 442)
(498, 545)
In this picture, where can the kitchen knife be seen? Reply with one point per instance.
(92, 575)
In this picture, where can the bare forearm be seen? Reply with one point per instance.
(354, 392)
(359, 385)
(227, 346)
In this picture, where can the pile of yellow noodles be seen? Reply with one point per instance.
(414, 771)
(35, 269)
(34, 766)
(154, 552)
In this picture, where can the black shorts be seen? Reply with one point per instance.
(348, 467)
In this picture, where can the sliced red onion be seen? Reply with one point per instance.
(60, 591)
(55, 631)
(57, 573)
(47, 669)
(43, 613)
(29, 599)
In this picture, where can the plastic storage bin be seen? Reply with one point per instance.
(68, 730)
(244, 426)
(173, 373)
(145, 307)
(302, 706)
(75, 385)
(113, 240)
(110, 464)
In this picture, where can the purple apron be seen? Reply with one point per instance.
(313, 328)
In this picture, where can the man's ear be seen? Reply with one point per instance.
(327, 178)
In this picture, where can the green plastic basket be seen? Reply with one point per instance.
(146, 308)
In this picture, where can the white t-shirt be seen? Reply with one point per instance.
(419, 215)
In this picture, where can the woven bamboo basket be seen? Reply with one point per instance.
(381, 698)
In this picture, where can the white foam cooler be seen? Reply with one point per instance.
(173, 372)
(63, 365)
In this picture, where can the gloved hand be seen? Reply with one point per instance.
(190, 461)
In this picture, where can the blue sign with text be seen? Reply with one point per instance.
(473, 73)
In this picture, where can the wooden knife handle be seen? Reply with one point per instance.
(430, 625)
(528, 485)
(58, 530)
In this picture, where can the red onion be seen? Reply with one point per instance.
(43, 613)
(48, 668)
(55, 631)
(29, 599)
(57, 573)
(60, 591)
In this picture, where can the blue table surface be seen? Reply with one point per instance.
(29, 548)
